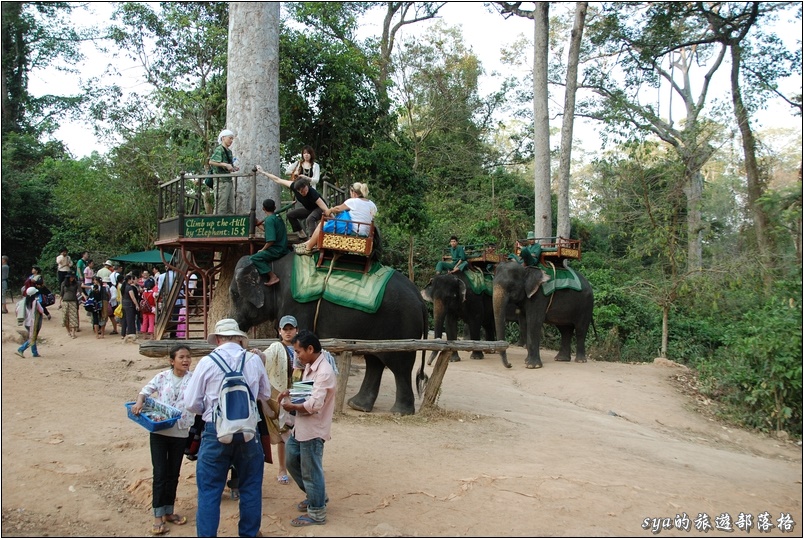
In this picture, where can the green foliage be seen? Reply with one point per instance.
(37, 35)
(27, 211)
(758, 371)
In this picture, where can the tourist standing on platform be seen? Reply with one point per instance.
(64, 265)
(222, 162)
(215, 457)
(306, 166)
(313, 205)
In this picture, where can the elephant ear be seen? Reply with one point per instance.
(462, 289)
(427, 292)
(533, 280)
(249, 286)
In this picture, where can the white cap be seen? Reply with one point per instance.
(225, 133)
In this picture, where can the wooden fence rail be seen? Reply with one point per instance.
(344, 349)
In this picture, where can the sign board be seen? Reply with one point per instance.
(216, 226)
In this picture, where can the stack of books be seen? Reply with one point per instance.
(300, 391)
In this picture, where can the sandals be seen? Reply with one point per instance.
(301, 249)
(283, 479)
(160, 529)
(305, 520)
(176, 519)
(302, 505)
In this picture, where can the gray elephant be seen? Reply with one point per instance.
(401, 315)
(569, 310)
(453, 299)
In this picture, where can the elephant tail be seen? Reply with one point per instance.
(421, 376)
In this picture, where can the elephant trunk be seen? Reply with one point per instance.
(500, 303)
(439, 314)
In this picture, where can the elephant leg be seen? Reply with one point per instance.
(401, 364)
(433, 355)
(534, 339)
(580, 338)
(565, 352)
(474, 334)
(370, 388)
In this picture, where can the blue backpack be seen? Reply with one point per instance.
(236, 410)
(340, 224)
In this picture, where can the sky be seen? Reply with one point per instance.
(485, 32)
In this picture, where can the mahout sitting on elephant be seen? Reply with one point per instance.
(401, 314)
(569, 309)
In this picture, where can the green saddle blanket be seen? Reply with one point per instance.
(351, 289)
(560, 279)
(480, 282)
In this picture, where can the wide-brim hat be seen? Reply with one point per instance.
(227, 327)
(531, 236)
(108, 263)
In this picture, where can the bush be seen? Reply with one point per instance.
(757, 374)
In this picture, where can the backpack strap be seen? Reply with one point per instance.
(223, 365)
(220, 362)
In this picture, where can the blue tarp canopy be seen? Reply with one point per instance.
(142, 257)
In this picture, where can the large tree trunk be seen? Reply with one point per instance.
(252, 112)
(694, 192)
(252, 95)
(756, 187)
(543, 226)
(563, 223)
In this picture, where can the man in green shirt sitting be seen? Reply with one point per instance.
(458, 255)
(276, 243)
(531, 252)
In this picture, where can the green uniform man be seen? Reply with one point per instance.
(531, 252)
(458, 255)
(276, 243)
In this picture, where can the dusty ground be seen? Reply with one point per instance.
(569, 450)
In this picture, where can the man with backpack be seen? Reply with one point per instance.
(223, 390)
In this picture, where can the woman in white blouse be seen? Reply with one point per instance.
(306, 166)
(167, 445)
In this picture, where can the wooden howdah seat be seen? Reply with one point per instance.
(479, 257)
(346, 251)
(556, 249)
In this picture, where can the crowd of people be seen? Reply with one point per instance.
(128, 301)
(298, 429)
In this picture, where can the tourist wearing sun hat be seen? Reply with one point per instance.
(105, 273)
(214, 457)
(222, 162)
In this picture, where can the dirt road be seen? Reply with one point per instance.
(569, 450)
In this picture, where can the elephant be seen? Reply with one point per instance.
(453, 299)
(568, 310)
(401, 315)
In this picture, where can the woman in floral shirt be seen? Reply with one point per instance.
(167, 445)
